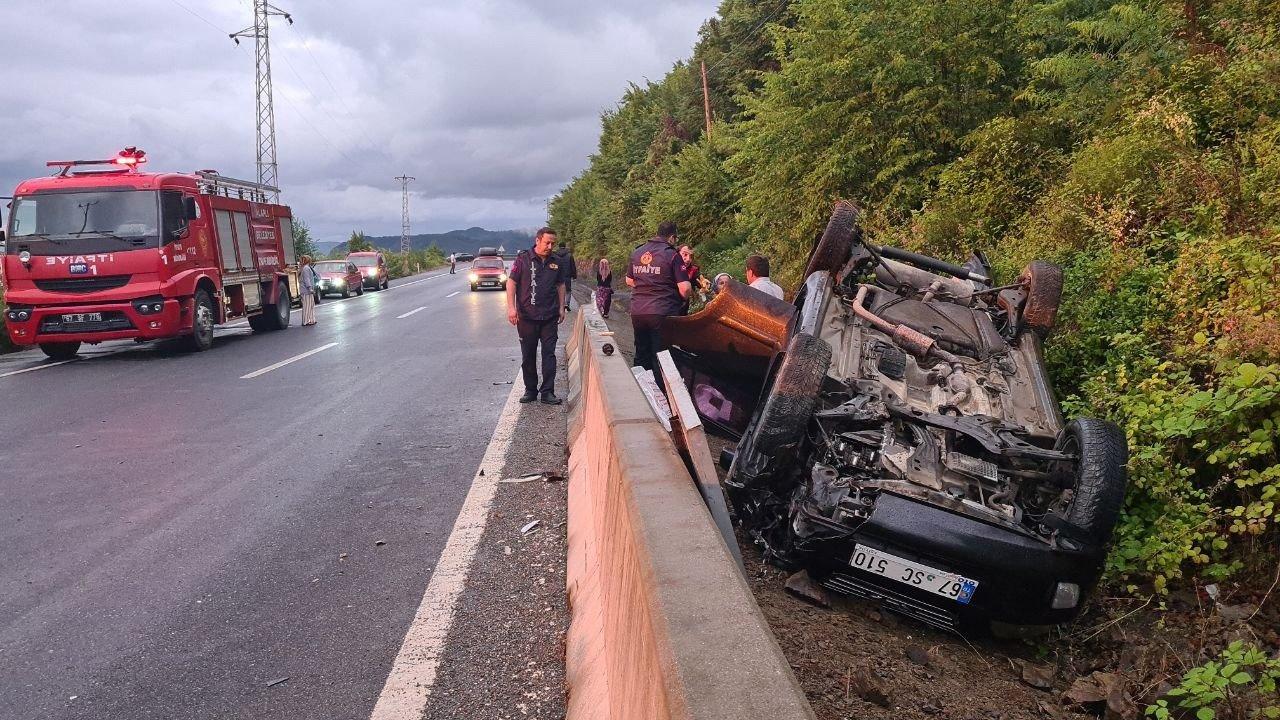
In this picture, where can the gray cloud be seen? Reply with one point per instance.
(493, 105)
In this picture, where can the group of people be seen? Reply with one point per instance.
(661, 274)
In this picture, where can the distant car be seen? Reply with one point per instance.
(339, 276)
(488, 272)
(464, 257)
(372, 267)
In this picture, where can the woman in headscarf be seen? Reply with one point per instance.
(307, 284)
(604, 287)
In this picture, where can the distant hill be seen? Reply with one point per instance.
(453, 241)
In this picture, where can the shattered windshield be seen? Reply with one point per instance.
(84, 222)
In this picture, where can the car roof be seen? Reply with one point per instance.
(363, 252)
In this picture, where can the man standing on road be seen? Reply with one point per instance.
(535, 305)
(656, 272)
(453, 263)
(758, 276)
(571, 272)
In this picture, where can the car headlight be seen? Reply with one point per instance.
(474, 277)
(374, 272)
(340, 281)
(17, 314)
(149, 306)
(1066, 596)
(502, 277)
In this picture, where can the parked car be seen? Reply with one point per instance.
(464, 257)
(905, 444)
(373, 269)
(488, 272)
(339, 276)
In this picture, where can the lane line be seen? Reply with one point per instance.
(282, 363)
(455, 292)
(415, 310)
(414, 672)
(415, 282)
(38, 367)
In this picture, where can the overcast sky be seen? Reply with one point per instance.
(493, 104)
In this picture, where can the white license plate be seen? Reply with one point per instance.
(82, 318)
(948, 585)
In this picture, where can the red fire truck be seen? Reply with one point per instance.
(103, 251)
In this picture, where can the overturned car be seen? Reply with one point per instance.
(898, 436)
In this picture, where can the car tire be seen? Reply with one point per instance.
(203, 318)
(360, 290)
(794, 394)
(346, 292)
(473, 288)
(836, 243)
(386, 284)
(1043, 281)
(60, 350)
(1100, 476)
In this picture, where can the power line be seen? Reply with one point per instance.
(198, 16)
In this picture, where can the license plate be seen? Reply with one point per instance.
(82, 318)
(948, 585)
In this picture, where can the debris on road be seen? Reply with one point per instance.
(802, 585)
(864, 683)
(277, 681)
(379, 543)
(525, 478)
(528, 528)
(919, 654)
(1039, 677)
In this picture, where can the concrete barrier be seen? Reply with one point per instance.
(662, 623)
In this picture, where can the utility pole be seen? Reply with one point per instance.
(262, 10)
(404, 212)
(706, 99)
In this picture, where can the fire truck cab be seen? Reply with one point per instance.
(115, 253)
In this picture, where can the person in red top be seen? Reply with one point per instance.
(692, 271)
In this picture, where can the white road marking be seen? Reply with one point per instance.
(455, 292)
(38, 367)
(282, 363)
(415, 310)
(415, 282)
(409, 684)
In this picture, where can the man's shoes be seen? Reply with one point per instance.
(529, 397)
(549, 398)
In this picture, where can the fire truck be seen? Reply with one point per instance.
(104, 251)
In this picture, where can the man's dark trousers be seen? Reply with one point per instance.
(531, 333)
(648, 339)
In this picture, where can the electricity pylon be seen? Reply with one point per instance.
(267, 171)
(404, 211)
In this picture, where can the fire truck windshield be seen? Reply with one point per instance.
(66, 223)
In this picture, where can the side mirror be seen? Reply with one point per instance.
(189, 211)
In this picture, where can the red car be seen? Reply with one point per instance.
(488, 271)
(372, 267)
(339, 276)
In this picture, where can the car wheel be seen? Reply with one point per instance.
(386, 284)
(1100, 476)
(794, 395)
(1043, 281)
(346, 292)
(60, 350)
(473, 288)
(203, 318)
(360, 289)
(836, 243)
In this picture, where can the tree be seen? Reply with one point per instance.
(358, 243)
(302, 242)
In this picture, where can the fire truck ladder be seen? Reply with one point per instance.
(212, 183)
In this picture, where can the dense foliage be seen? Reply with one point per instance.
(1135, 143)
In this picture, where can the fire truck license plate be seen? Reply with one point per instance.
(82, 318)
(938, 582)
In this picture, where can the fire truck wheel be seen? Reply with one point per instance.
(278, 312)
(60, 350)
(203, 318)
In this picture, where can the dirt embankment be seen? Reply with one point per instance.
(855, 660)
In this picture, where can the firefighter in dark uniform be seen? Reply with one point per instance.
(660, 285)
(535, 305)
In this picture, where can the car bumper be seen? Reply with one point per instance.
(1017, 575)
(488, 282)
(120, 321)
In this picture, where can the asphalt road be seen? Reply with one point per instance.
(178, 537)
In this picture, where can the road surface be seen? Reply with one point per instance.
(182, 532)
